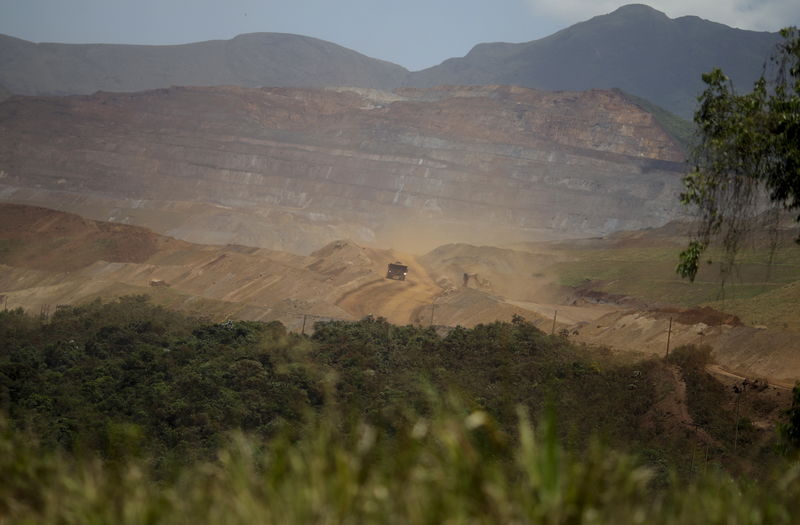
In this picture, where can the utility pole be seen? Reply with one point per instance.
(669, 335)
(553, 330)
(433, 309)
(303, 330)
(738, 397)
(736, 434)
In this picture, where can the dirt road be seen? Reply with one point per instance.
(397, 301)
(567, 315)
(719, 370)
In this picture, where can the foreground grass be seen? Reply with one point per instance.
(453, 467)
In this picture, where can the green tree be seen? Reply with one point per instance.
(747, 153)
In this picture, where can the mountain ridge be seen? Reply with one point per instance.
(635, 48)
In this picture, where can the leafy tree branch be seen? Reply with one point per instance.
(747, 156)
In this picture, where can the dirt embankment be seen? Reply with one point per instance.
(44, 239)
(743, 350)
(702, 315)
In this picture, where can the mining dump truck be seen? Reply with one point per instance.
(397, 270)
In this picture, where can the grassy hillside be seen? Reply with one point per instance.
(759, 290)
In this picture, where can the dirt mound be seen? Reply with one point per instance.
(503, 272)
(343, 246)
(344, 260)
(17, 220)
(706, 315)
(469, 307)
(585, 294)
(347, 265)
(397, 301)
(44, 239)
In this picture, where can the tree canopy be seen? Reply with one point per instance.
(747, 157)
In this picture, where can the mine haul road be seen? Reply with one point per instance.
(397, 301)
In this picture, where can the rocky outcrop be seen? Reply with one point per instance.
(296, 168)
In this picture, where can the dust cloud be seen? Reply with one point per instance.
(419, 236)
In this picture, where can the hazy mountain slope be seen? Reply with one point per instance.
(256, 59)
(635, 48)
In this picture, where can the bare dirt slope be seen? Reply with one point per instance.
(45, 239)
(506, 281)
(505, 272)
(746, 351)
(524, 276)
(49, 258)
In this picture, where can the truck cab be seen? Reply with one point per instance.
(397, 270)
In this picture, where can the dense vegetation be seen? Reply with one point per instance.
(127, 412)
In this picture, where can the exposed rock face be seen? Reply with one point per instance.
(296, 168)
